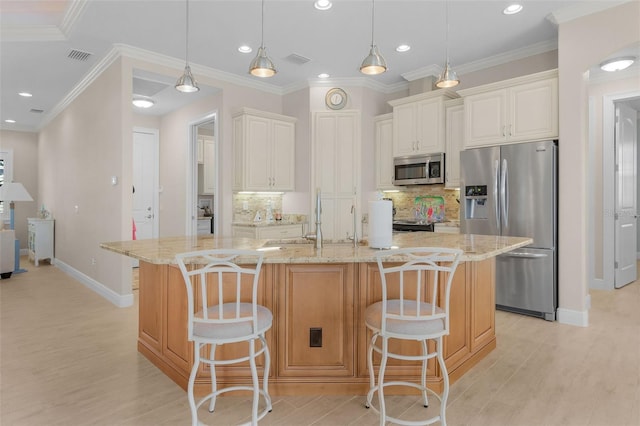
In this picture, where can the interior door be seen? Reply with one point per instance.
(145, 182)
(625, 195)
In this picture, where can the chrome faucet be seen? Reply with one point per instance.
(318, 235)
(355, 226)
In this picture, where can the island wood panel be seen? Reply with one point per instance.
(483, 302)
(331, 296)
(371, 293)
(150, 317)
(457, 345)
(315, 296)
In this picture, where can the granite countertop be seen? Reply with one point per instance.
(267, 223)
(163, 250)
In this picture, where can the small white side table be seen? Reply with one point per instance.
(40, 239)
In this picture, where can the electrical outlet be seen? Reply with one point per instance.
(315, 337)
(93, 261)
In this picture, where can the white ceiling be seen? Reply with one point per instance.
(37, 36)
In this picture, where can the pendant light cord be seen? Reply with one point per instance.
(187, 35)
(373, 12)
(447, 33)
(262, 26)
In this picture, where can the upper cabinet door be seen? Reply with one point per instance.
(534, 111)
(517, 110)
(430, 125)
(283, 156)
(454, 142)
(264, 151)
(418, 123)
(384, 152)
(485, 117)
(404, 130)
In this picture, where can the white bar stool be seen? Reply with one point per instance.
(225, 310)
(408, 311)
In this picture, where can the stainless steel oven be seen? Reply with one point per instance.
(418, 170)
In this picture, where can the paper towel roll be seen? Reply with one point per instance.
(380, 224)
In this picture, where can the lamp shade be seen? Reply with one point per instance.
(14, 191)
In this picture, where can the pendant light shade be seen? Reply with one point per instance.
(262, 66)
(374, 63)
(448, 78)
(186, 83)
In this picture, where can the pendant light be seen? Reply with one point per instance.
(374, 63)
(186, 83)
(261, 66)
(448, 78)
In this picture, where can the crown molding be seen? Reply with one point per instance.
(506, 57)
(32, 33)
(94, 73)
(581, 9)
(428, 71)
(73, 13)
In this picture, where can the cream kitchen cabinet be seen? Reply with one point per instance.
(268, 232)
(454, 140)
(515, 110)
(419, 123)
(384, 152)
(40, 239)
(208, 166)
(200, 150)
(264, 151)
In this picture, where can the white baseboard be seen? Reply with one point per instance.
(121, 301)
(571, 317)
(24, 252)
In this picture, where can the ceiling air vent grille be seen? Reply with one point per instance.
(36, 111)
(78, 55)
(297, 59)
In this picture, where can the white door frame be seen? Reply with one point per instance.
(608, 186)
(191, 190)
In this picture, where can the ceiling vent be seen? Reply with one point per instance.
(78, 55)
(297, 59)
(36, 111)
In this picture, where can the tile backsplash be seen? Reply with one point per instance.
(405, 201)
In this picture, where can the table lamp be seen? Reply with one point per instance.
(11, 192)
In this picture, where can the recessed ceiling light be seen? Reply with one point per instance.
(25, 94)
(8, 120)
(323, 75)
(143, 102)
(512, 9)
(617, 64)
(403, 48)
(245, 49)
(322, 4)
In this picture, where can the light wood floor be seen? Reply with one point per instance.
(68, 357)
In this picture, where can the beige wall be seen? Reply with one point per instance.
(582, 43)
(25, 156)
(79, 151)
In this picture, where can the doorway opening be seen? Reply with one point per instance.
(617, 248)
(202, 191)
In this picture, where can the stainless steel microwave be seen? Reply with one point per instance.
(418, 169)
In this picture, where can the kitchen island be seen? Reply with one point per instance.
(307, 288)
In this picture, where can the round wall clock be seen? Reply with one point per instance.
(336, 98)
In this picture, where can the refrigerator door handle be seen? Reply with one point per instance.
(496, 167)
(503, 194)
(525, 255)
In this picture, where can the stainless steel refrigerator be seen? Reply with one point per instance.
(511, 190)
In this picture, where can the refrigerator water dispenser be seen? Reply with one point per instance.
(475, 202)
